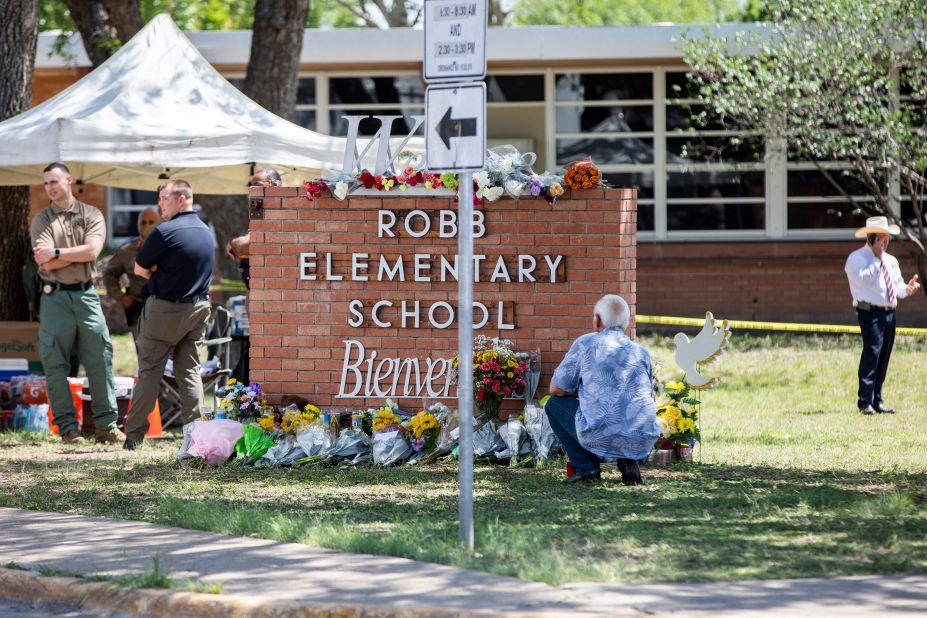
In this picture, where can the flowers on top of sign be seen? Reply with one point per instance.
(507, 171)
(582, 174)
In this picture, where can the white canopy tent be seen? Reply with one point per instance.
(157, 110)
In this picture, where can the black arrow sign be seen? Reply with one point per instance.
(455, 127)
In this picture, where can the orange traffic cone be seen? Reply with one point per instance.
(154, 419)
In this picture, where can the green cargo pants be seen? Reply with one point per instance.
(165, 326)
(69, 321)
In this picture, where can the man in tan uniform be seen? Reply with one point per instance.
(67, 238)
(122, 263)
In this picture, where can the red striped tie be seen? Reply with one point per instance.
(888, 285)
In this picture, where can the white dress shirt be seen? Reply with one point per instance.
(867, 284)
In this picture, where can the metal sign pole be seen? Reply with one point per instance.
(465, 356)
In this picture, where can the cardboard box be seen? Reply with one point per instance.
(19, 340)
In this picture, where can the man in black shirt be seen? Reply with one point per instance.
(178, 258)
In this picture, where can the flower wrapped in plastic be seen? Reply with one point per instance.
(424, 428)
(497, 373)
(252, 445)
(487, 441)
(353, 447)
(283, 453)
(582, 174)
(315, 440)
(515, 438)
(389, 437)
(543, 439)
(215, 440)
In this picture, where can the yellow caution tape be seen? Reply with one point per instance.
(781, 326)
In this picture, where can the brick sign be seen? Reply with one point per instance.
(354, 301)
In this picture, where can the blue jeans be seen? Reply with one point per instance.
(878, 328)
(561, 412)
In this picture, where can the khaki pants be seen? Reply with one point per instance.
(166, 326)
(69, 322)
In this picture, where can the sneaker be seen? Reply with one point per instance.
(109, 436)
(72, 437)
(187, 443)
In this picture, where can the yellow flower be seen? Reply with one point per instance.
(510, 375)
(675, 386)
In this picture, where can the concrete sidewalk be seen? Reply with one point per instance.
(292, 579)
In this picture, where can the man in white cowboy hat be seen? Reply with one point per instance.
(876, 285)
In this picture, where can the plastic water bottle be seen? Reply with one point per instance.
(20, 418)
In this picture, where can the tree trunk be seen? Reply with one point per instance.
(229, 216)
(19, 31)
(273, 70)
(276, 45)
(125, 16)
(91, 20)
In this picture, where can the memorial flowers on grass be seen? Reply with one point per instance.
(295, 420)
(242, 402)
(497, 373)
(678, 415)
(384, 419)
(424, 427)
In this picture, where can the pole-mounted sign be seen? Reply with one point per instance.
(455, 127)
(455, 40)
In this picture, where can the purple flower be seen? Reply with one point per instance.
(418, 444)
(536, 187)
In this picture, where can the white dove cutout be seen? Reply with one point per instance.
(705, 348)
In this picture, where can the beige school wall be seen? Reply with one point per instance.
(299, 326)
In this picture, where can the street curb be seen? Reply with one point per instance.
(30, 586)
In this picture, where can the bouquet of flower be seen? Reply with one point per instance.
(294, 419)
(678, 415)
(582, 175)
(242, 402)
(424, 428)
(496, 374)
(389, 436)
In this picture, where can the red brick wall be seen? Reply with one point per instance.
(298, 326)
(774, 281)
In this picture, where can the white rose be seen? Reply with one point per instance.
(341, 189)
(482, 179)
(492, 193)
(507, 165)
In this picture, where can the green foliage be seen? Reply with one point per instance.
(620, 12)
(835, 80)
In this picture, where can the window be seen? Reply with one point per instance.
(305, 111)
(715, 174)
(123, 208)
(388, 95)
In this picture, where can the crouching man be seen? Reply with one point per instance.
(614, 414)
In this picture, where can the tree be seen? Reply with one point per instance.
(835, 80)
(270, 81)
(620, 12)
(19, 31)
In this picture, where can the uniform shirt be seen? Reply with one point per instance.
(183, 249)
(122, 263)
(866, 281)
(75, 226)
(613, 376)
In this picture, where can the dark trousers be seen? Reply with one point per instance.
(561, 411)
(878, 328)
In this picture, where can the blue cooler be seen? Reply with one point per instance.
(11, 367)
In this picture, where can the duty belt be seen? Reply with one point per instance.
(48, 287)
(186, 300)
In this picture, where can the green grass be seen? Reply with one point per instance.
(156, 577)
(790, 482)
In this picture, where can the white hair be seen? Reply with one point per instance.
(613, 311)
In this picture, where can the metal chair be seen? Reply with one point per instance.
(215, 371)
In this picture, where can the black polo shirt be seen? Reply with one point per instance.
(183, 249)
